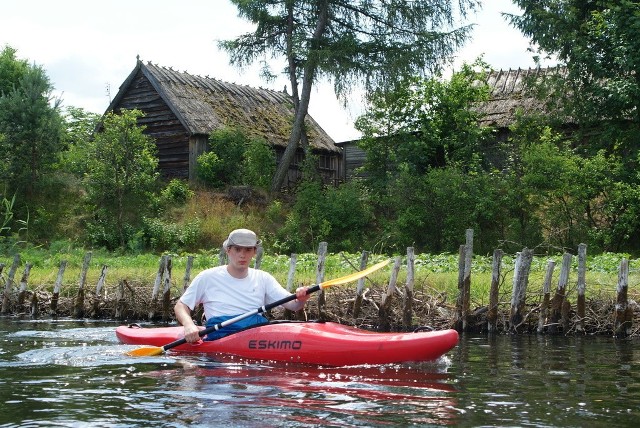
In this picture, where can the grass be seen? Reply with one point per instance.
(434, 274)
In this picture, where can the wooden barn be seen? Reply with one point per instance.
(509, 94)
(181, 110)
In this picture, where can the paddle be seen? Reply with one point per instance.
(149, 351)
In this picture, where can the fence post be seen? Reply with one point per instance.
(23, 285)
(624, 314)
(187, 274)
(222, 256)
(79, 304)
(408, 290)
(6, 300)
(457, 322)
(357, 302)
(385, 304)
(558, 302)
(581, 286)
(35, 310)
(259, 255)
(546, 290)
(166, 292)
(464, 282)
(121, 302)
(288, 314)
(322, 255)
(492, 315)
(99, 286)
(57, 286)
(520, 281)
(156, 287)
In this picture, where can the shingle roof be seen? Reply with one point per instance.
(510, 93)
(204, 104)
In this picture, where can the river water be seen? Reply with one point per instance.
(75, 373)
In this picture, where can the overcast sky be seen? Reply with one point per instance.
(88, 48)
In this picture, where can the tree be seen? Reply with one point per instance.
(30, 123)
(426, 162)
(121, 176)
(12, 69)
(423, 123)
(78, 133)
(352, 43)
(598, 43)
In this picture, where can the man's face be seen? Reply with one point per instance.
(240, 257)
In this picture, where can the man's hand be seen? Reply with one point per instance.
(191, 333)
(301, 294)
(183, 315)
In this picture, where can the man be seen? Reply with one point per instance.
(233, 289)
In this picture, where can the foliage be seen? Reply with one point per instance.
(209, 169)
(236, 159)
(220, 164)
(598, 45)
(12, 69)
(340, 215)
(170, 236)
(424, 163)
(351, 43)
(176, 192)
(258, 164)
(121, 178)
(597, 90)
(8, 236)
(573, 198)
(423, 123)
(432, 211)
(31, 126)
(77, 134)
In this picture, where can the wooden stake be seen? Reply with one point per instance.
(546, 291)
(407, 319)
(492, 316)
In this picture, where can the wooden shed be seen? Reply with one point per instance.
(510, 93)
(181, 110)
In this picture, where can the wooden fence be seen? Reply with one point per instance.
(554, 313)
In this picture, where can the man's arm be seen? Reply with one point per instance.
(183, 315)
(301, 298)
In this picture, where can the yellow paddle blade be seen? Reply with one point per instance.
(147, 351)
(354, 276)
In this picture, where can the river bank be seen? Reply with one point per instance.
(138, 293)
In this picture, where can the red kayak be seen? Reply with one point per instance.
(327, 343)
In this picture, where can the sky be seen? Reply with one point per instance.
(88, 48)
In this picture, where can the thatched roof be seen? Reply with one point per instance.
(510, 93)
(204, 104)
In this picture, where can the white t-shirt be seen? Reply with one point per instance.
(222, 294)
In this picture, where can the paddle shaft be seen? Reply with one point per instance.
(234, 320)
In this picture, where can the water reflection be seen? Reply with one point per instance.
(313, 394)
(73, 374)
(547, 381)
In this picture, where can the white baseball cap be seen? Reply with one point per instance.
(241, 238)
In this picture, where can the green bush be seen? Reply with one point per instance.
(209, 170)
(176, 192)
(259, 164)
(164, 236)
